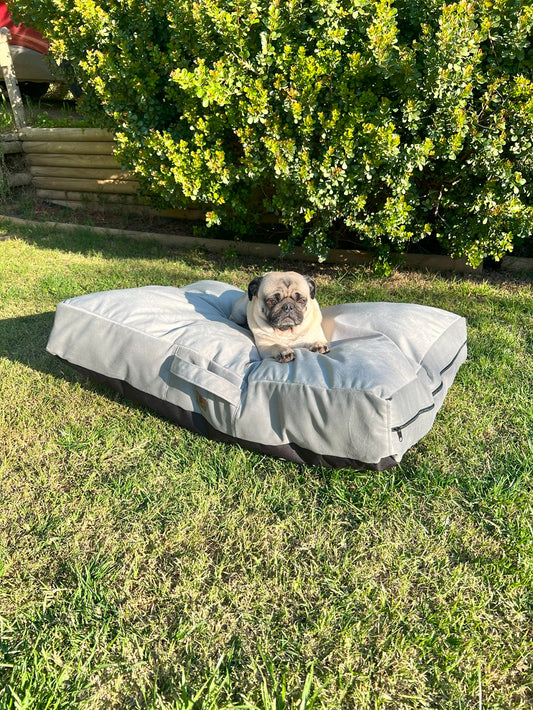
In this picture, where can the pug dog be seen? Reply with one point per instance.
(281, 311)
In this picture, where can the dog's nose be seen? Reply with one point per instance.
(287, 307)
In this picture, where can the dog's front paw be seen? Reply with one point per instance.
(319, 348)
(285, 355)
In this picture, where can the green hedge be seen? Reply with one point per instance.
(384, 121)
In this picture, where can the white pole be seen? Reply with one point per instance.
(6, 62)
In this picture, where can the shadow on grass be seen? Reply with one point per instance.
(23, 340)
(81, 239)
(84, 240)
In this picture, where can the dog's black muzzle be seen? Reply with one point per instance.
(285, 315)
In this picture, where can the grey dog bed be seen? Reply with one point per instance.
(362, 405)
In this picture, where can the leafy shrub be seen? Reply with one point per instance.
(385, 120)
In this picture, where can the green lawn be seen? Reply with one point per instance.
(142, 566)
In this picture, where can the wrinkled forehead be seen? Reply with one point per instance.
(286, 284)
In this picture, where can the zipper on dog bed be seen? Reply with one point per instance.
(398, 429)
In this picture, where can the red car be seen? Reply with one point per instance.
(28, 49)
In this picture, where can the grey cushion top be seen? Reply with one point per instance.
(374, 395)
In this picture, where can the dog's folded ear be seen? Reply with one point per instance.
(253, 287)
(312, 286)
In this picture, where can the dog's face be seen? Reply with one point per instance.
(282, 313)
(283, 298)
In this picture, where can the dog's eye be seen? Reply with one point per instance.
(301, 299)
(272, 300)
